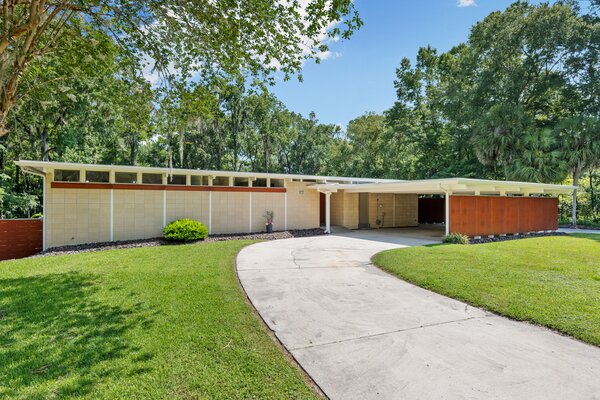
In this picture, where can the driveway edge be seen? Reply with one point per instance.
(305, 375)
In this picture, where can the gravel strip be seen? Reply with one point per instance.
(130, 244)
(514, 237)
(587, 227)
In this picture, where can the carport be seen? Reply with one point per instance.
(473, 207)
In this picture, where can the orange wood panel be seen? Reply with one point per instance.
(494, 215)
(128, 186)
(20, 238)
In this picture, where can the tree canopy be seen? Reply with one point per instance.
(205, 37)
(518, 100)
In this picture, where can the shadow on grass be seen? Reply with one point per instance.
(57, 339)
(591, 236)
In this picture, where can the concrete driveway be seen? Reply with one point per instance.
(363, 334)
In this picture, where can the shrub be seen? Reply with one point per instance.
(38, 215)
(456, 238)
(185, 230)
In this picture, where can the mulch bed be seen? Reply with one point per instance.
(130, 244)
(514, 237)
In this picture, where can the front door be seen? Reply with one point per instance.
(363, 211)
(322, 208)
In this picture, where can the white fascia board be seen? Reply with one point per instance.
(156, 170)
(458, 185)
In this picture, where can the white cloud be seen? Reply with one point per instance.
(466, 3)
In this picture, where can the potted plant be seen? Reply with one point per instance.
(269, 221)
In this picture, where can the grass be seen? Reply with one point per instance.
(581, 223)
(551, 281)
(154, 323)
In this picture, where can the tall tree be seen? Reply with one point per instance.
(213, 37)
(579, 149)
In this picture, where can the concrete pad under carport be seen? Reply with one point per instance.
(361, 333)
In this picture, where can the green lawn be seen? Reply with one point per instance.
(552, 281)
(163, 322)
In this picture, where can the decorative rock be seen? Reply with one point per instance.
(129, 244)
(514, 237)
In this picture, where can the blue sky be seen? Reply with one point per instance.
(358, 76)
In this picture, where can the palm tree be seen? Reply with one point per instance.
(579, 149)
(538, 158)
(497, 135)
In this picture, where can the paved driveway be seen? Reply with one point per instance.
(363, 334)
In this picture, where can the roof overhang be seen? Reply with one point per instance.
(44, 167)
(333, 183)
(451, 186)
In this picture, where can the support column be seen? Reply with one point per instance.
(447, 213)
(250, 211)
(112, 214)
(164, 208)
(394, 210)
(285, 203)
(210, 210)
(44, 215)
(327, 212)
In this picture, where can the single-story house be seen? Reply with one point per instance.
(86, 203)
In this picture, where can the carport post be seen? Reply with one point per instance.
(447, 209)
(327, 212)
(447, 213)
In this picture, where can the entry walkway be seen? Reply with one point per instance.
(363, 334)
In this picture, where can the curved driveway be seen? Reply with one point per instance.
(363, 334)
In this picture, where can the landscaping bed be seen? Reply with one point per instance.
(129, 244)
(497, 238)
(157, 322)
(552, 281)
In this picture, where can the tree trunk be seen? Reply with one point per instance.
(181, 143)
(44, 139)
(576, 184)
(592, 200)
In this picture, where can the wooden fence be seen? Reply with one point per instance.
(494, 215)
(20, 237)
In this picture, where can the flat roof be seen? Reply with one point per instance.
(46, 166)
(334, 183)
(453, 186)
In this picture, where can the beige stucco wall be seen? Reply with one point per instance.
(230, 212)
(395, 210)
(381, 207)
(76, 216)
(344, 209)
(137, 214)
(182, 204)
(303, 206)
(263, 202)
(406, 210)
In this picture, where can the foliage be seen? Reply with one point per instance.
(185, 230)
(588, 201)
(14, 204)
(513, 102)
(518, 101)
(456, 238)
(551, 281)
(158, 322)
(269, 215)
(181, 38)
